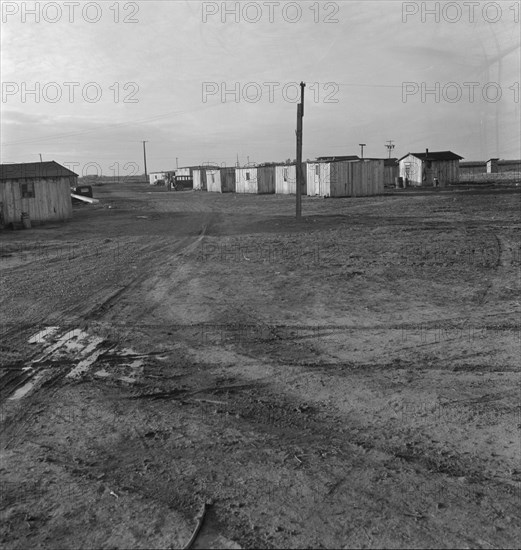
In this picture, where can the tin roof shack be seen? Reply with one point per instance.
(421, 169)
(286, 179)
(40, 189)
(317, 178)
(228, 180)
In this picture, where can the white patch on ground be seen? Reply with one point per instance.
(83, 352)
(27, 387)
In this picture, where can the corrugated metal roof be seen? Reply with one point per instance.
(50, 169)
(434, 155)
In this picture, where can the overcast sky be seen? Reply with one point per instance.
(367, 66)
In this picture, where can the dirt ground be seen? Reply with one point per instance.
(347, 381)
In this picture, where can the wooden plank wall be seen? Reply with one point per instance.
(356, 179)
(228, 180)
(196, 175)
(213, 179)
(287, 187)
(266, 179)
(242, 185)
(52, 200)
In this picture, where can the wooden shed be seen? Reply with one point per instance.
(40, 189)
(421, 169)
(286, 179)
(356, 178)
(361, 178)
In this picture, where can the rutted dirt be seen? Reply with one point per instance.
(351, 380)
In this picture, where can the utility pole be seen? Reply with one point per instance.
(238, 165)
(40, 157)
(362, 145)
(145, 159)
(390, 146)
(177, 162)
(298, 168)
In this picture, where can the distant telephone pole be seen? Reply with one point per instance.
(40, 157)
(177, 162)
(145, 159)
(390, 146)
(298, 168)
(362, 145)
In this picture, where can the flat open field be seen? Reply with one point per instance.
(350, 380)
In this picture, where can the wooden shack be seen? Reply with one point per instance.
(361, 178)
(355, 178)
(42, 190)
(422, 169)
(286, 179)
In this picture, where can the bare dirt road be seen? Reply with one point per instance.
(350, 380)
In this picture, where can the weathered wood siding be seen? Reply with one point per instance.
(266, 179)
(228, 180)
(447, 171)
(246, 180)
(196, 175)
(390, 174)
(213, 181)
(470, 168)
(51, 201)
(286, 179)
(318, 179)
(356, 178)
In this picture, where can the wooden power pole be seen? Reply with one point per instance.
(298, 168)
(145, 160)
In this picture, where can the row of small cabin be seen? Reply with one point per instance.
(328, 176)
(353, 178)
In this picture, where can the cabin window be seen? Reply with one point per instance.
(285, 174)
(212, 177)
(27, 190)
(317, 170)
(247, 176)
